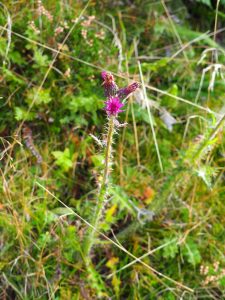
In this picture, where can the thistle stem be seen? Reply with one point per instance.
(90, 237)
(108, 150)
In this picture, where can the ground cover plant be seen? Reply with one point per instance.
(112, 149)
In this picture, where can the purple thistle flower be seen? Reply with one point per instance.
(113, 105)
(109, 84)
(124, 92)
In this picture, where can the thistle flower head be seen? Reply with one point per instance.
(113, 106)
(114, 95)
(109, 84)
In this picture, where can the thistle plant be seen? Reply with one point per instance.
(115, 100)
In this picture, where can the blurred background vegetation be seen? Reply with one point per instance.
(169, 159)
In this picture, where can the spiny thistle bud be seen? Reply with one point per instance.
(109, 84)
(124, 92)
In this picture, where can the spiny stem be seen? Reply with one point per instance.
(108, 150)
(89, 241)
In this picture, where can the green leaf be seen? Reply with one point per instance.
(206, 173)
(40, 59)
(222, 281)
(191, 252)
(10, 76)
(62, 211)
(121, 198)
(188, 34)
(141, 114)
(206, 2)
(22, 114)
(63, 159)
(71, 243)
(155, 66)
(40, 97)
(96, 282)
(169, 101)
(171, 250)
(3, 46)
(16, 57)
(170, 296)
(82, 103)
(44, 239)
(98, 160)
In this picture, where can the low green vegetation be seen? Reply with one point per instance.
(161, 234)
